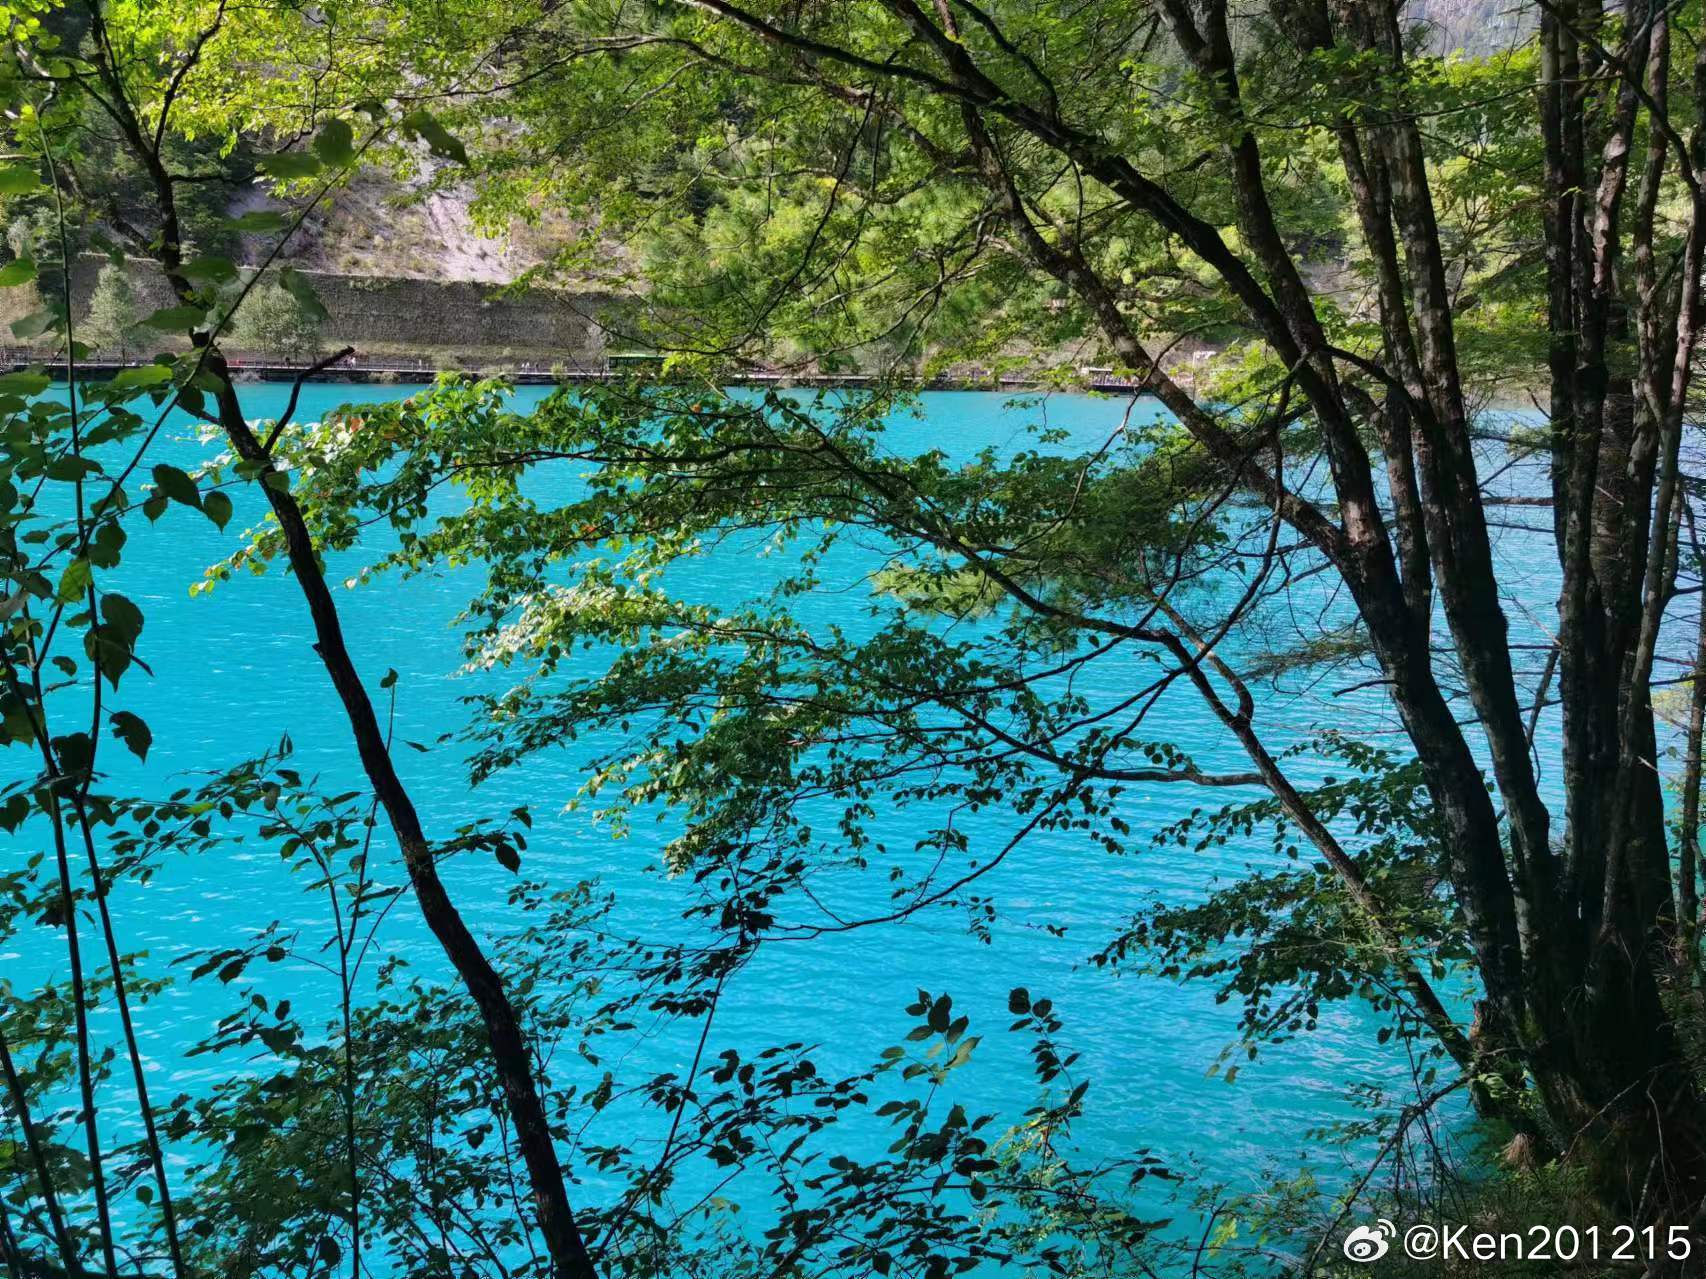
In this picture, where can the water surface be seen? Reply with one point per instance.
(234, 669)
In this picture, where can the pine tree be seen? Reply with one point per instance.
(113, 313)
(272, 322)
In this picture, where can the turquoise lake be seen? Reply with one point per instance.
(233, 668)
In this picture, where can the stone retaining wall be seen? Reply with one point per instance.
(445, 322)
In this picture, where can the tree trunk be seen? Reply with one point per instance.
(511, 1056)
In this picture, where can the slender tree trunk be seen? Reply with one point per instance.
(85, 1068)
(1563, 944)
(9, 1250)
(133, 1048)
(510, 1052)
(20, 1103)
(1688, 854)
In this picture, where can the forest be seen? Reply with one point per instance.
(755, 813)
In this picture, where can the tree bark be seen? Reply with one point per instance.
(1564, 944)
(511, 1056)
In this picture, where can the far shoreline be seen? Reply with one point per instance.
(421, 372)
(383, 372)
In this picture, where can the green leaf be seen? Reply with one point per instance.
(143, 376)
(209, 271)
(176, 318)
(17, 180)
(122, 616)
(941, 1014)
(176, 485)
(292, 282)
(74, 581)
(259, 221)
(25, 384)
(422, 124)
(16, 724)
(114, 252)
(35, 324)
(107, 546)
(111, 658)
(290, 165)
(17, 271)
(76, 752)
(69, 469)
(217, 507)
(130, 730)
(335, 143)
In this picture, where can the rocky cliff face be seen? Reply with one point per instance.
(1475, 27)
(384, 228)
(378, 226)
(404, 270)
